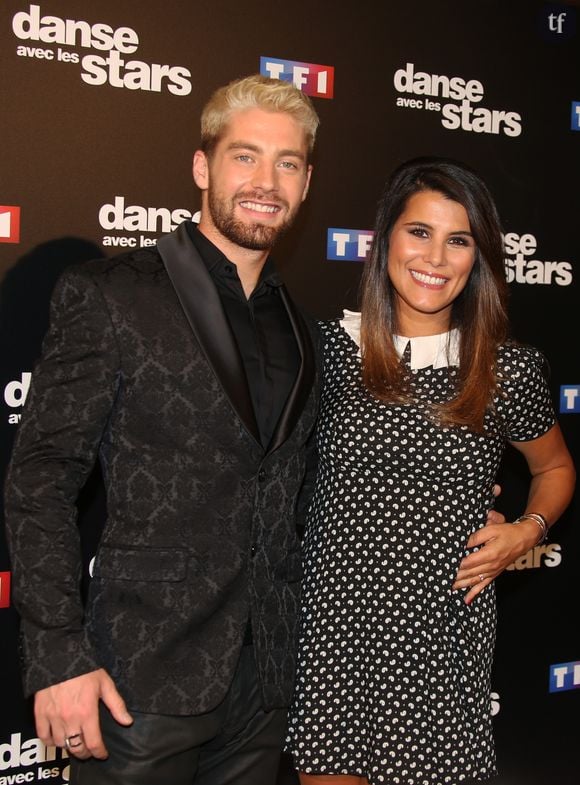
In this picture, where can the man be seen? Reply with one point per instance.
(191, 374)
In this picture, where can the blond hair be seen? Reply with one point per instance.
(256, 92)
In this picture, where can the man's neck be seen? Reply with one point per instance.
(249, 263)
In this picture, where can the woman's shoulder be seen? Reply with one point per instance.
(515, 359)
(339, 334)
(348, 321)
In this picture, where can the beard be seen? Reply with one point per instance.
(254, 236)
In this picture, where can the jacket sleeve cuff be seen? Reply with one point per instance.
(51, 656)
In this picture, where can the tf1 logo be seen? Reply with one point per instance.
(570, 399)
(575, 118)
(312, 79)
(348, 245)
(4, 589)
(564, 676)
(557, 22)
(9, 224)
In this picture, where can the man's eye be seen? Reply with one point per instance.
(288, 165)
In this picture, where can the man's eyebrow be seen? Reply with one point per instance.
(241, 145)
(292, 154)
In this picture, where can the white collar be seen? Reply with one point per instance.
(437, 351)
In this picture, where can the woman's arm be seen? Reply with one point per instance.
(551, 489)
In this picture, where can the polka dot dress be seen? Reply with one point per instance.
(393, 680)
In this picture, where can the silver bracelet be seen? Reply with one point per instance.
(540, 520)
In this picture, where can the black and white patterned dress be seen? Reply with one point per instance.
(393, 680)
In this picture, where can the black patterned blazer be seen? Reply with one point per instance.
(140, 368)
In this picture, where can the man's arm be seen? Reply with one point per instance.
(72, 392)
(308, 483)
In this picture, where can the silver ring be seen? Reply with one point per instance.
(68, 740)
(481, 578)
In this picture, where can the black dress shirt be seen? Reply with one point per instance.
(262, 331)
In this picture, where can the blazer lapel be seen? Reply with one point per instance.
(304, 379)
(202, 306)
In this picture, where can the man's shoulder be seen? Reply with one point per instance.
(132, 266)
(143, 260)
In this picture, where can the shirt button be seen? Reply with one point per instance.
(262, 475)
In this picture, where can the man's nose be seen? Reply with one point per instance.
(265, 176)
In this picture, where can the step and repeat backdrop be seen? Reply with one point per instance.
(100, 105)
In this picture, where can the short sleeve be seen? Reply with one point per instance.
(526, 403)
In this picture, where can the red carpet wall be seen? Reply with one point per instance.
(99, 108)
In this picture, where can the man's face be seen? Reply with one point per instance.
(254, 181)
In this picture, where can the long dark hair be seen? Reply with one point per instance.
(479, 312)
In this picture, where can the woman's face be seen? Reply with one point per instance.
(431, 255)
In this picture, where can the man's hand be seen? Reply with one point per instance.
(70, 710)
(492, 515)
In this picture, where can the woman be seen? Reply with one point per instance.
(398, 618)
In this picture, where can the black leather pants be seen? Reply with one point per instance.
(237, 743)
